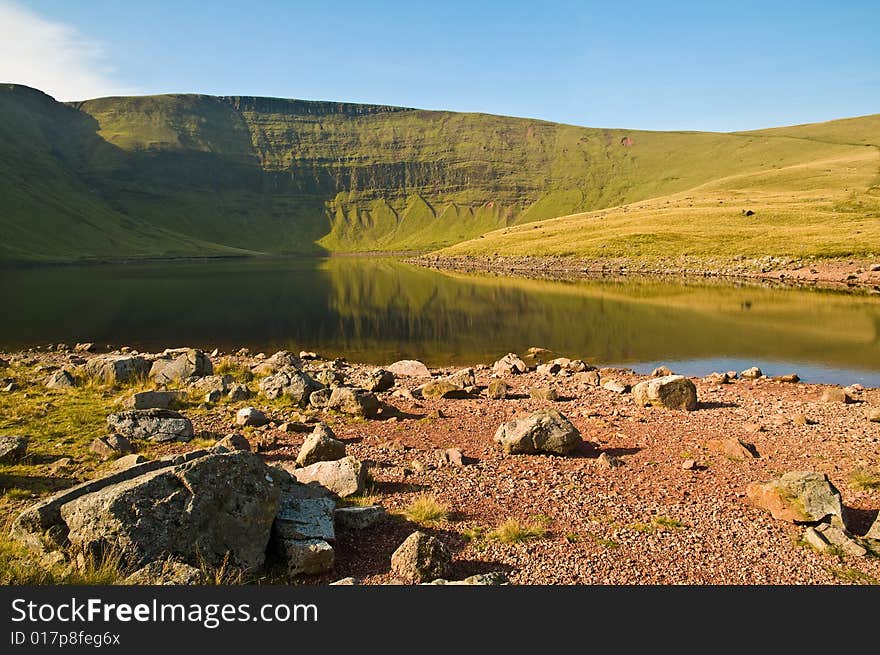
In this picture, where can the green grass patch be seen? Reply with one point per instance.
(513, 531)
(864, 480)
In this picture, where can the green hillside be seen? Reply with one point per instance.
(172, 175)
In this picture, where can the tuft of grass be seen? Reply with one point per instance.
(668, 523)
(426, 509)
(853, 576)
(239, 372)
(864, 480)
(513, 531)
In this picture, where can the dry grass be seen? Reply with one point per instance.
(864, 480)
(426, 509)
(513, 531)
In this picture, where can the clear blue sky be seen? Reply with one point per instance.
(652, 65)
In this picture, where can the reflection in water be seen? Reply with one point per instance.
(378, 310)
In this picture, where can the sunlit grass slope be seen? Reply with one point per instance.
(826, 205)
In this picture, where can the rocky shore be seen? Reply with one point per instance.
(533, 469)
(835, 273)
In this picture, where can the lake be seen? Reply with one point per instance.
(379, 310)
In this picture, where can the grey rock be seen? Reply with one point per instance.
(836, 395)
(498, 390)
(213, 396)
(410, 368)
(85, 347)
(330, 378)
(206, 508)
(443, 388)
(615, 385)
(127, 461)
(541, 432)
(357, 402)
(343, 477)
(752, 373)
(165, 572)
(661, 372)
(494, 578)
(544, 393)
(592, 378)
(114, 369)
(318, 399)
(380, 380)
(671, 392)
(155, 399)
(191, 363)
(235, 441)
(550, 368)
(510, 364)
(420, 558)
(209, 383)
(320, 446)
(358, 518)
(13, 449)
(840, 538)
(302, 517)
(239, 392)
(111, 446)
(151, 424)
(250, 416)
(291, 383)
(349, 581)
(60, 380)
(798, 497)
(306, 556)
(874, 531)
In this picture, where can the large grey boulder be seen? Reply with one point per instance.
(358, 518)
(357, 402)
(192, 363)
(798, 497)
(343, 477)
(320, 446)
(410, 368)
(203, 510)
(60, 380)
(669, 391)
(290, 383)
(155, 399)
(420, 558)
(12, 449)
(305, 556)
(113, 369)
(304, 530)
(541, 432)
(151, 424)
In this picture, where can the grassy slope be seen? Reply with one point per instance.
(188, 174)
(821, 199)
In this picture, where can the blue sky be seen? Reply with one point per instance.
(651, 65)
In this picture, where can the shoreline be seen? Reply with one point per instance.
(847, 275)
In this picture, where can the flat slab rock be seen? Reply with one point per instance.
(151, 424)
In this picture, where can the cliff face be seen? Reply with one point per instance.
(192, 174)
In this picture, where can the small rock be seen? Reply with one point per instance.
(452, 457)
(213, 396)
(510, 364)
(443, 388)
(380, 380)
(873, 414)
(308, 354)
(12, 386)
(494, 578)
(239, 392)
(790, 378)
(85, 347)
(689, 465)
(343, 477)
(60, 380)
(345, 582)
(155, 399)
(661, 372)
(235, 441)
(837, 536)
(320, 446)
(250, 416)
(111, 446)
(752, 373)
(671, 392)
(616, 386)
(153, 424)
(306, 556)
(541, 432)
(836, 395)
(591, 378)
(410, 368)
(802, 419)
(609, 461)
(544, 393)
(551, 368)
(420, 558)
(165, 573)
(127, 461)
(498, 390)
(717, 378)
(733, 448)
(13, 449)
(358, 518)
(357, 402)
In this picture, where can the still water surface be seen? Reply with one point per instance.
(379, 310)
